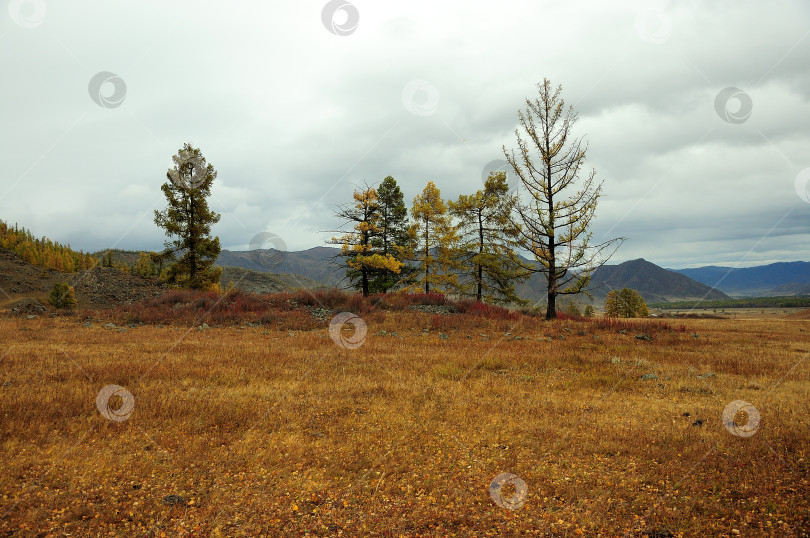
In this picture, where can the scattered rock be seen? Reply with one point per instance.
(87, 324)
(647, 377)
(707, 375)
(658, 534)
(582, 333)
(615, 360)
(698, 423)
(435, 309)
(122, 330)
(203, 327)
(7, 383)
(171, 500)
(443, 336)
(30, 316)
(381, 333)
(686, 414)
(110, 326)
(696, 335)
(643, 337)
(26, 305)
(322, 314)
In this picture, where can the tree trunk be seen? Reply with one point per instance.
(551, 310)
(427, 253)
(480, 264)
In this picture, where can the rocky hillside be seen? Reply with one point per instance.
(101, 287)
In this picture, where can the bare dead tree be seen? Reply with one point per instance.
(556, 207)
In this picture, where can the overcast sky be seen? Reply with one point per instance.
(296, 103)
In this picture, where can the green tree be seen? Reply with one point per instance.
(589, 311)
(573, 309)
(62, 296)
(188, 219)
(359, 246)
(434, 242)
(393, 239)
(625, 303)
(557, 212)
(487, 241)
(145, 266)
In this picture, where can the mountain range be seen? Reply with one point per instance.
(651, 281)
(776, 279)
(271, 270)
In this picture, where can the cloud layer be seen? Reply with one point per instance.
(296, 104)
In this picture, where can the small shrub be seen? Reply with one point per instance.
(62, 296)
(449, 370)
(491, 364)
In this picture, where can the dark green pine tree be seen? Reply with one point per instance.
(393, 239)
(188, 219)
(488, 239)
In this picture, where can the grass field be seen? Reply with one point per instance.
(267, 431)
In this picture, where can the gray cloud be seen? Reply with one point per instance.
(294, 116)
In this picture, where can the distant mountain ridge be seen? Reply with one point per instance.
(654, 283)
(782, 278)
(317, 263)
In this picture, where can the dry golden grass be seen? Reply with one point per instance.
(268, 432)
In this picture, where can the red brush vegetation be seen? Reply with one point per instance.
(311, 309)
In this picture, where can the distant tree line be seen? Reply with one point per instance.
(42, 252)
(749, 302)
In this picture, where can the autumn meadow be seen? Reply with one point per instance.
(397, 424)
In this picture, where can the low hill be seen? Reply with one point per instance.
(784, 278)
(257, 282)
(654, 283)
(316, 264)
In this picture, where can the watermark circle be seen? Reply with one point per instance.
(751, 425)
(336, 330)
(103, 403)
(101, 98)
(27, 13)
(192, 173)
(517, 499)
(421, 98)
(725, 97)
(802, 185)
(653, 25)
(331, 20)
(267, 250)
(500, 165)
